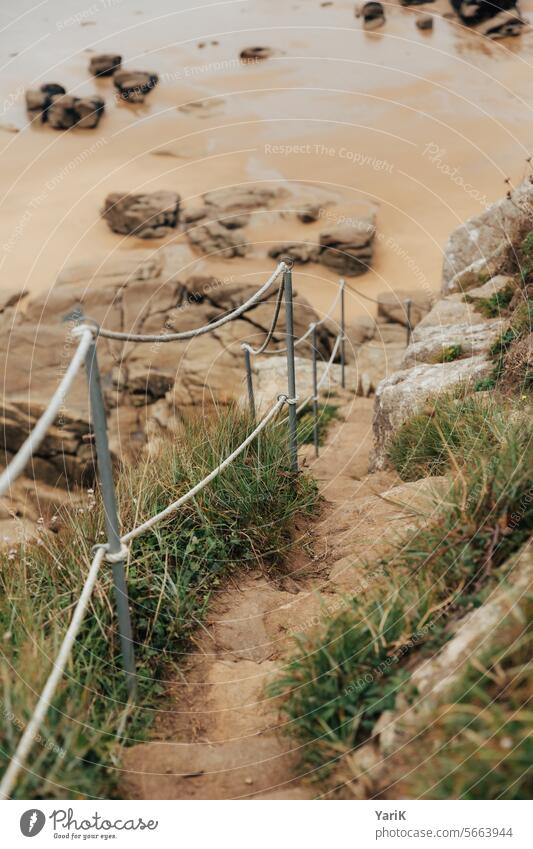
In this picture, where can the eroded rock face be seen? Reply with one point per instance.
(479, 247)
(134, 85)
(105, 64)
(147, 216)
(348, 248)
(213, 238)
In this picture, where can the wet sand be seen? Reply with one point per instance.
(423, 127)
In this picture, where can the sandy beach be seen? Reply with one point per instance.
(423, 127)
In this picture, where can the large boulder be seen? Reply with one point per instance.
(147, 215)
(478, 248)
(348, 248)
(392, 306)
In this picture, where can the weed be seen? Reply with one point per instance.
(449, 354)
(327, 413)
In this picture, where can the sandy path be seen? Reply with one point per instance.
(222, 736)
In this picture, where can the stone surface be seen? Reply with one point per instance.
(147, 216)
(213, 238)
(374, 361)
(134, 85)
(105, 64)
(299, 252)
(486, 238)
(63, 111)
(348, 248)
(432, 341)
(392, 306)
(424, 22)
(401, 394)
(373, 14)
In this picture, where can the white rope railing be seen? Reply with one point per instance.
(199, 331)
(30, 732)
(25, 743)
(270, 334)
(333, 354)
(31, 444)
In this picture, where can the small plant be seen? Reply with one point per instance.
(327, 413)
(449, 353)
(485, 384)
(496, 304)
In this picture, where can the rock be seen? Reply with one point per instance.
(270, 378)
(311, 212)
(425, 22)
(66, 111)
(487, 237)
(504, 25)
(415, 2)
(38, 101)
(401, 394)
(490, 288)
(255, 54)
(474, 274)
(147, 216)
(374, 362)
(299, 252)
(474, 12)
(242, 199)
(214, 238)
(373, 14)
(134, 85)
(105, 64)
(430, 342)
(348, 248)
(392, 307)
(11, 297)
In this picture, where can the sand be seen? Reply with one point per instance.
(424, 127)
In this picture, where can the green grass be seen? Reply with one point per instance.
(453, 426)
(343, 676)
(496, 304)
(479, 745)
(243, 518)
(449, 354)
(327, 413)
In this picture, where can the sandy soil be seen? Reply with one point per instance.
(424, 126)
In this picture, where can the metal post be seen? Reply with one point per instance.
(291, 373)
(343, 353)
(249, 381)
(315, 393)
(408, 303)
(105, 473)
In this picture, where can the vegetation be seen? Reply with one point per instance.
(495, 304)
(479, 746)
(243, 518)
(327, 413)
(449, 353)
(343, 676)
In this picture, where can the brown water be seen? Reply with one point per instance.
(425, 127)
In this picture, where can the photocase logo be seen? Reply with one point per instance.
(32, 822)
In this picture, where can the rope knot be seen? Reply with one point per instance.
(116, 556)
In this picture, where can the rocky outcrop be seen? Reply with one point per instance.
(392, 306)
(299, 252)
(105, 64)
(63, 111)
(134, 85)
(147, 216)
(477, 250)
(348, 248)
(146, 386)
(213, 238)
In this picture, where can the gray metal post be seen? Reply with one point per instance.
(315, 393)
(291, 372)
(249, 381)
(408, 303)
(343, 352)
(105, 473)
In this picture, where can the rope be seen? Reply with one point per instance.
(270, 333)
(282, 399)
(31, 444)
(28, 738)
(199, 331)
(325, 374)
(30, 732)
(315, 323)
(374, 301)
